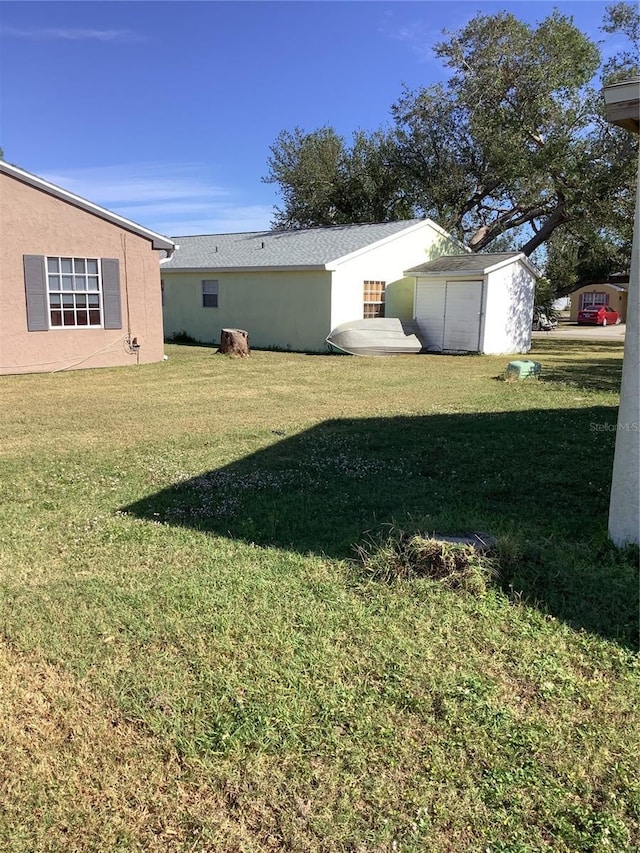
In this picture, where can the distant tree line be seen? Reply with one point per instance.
(513, 151)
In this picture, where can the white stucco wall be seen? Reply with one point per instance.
(508, 309)
(387, 262)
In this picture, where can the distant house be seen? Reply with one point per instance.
(80, 285)
(475, 302)
(288, 289)
(614, 293)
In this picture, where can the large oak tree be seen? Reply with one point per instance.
(513, 150)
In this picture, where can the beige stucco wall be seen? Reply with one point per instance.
(617, 299)
(33, 222)
(283, 309)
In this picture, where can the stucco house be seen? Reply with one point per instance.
(288, 289)
(475, 302)
(614, 293)
(79, 285)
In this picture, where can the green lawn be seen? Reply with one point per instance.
(192, 659)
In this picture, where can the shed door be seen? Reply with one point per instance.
(462, 316)
(429, 311)
(449, 315)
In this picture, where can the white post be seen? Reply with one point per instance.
(624, 506)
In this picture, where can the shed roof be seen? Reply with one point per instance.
(471, 264)
(158, 240)
(317, 248)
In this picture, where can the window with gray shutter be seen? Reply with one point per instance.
(35, 282)
(63, 292)
(74, 292)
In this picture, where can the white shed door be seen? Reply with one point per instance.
(429, 311)
(449, 315)
(462, 316)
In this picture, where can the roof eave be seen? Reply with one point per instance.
(332, 264)
(158, 241)
(274, 268)
(622, 102)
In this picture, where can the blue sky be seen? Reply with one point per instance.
(164, 111)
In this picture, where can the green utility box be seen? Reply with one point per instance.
(523, 370)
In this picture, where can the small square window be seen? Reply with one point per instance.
(210, 293)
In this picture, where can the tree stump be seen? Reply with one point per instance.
(234, 342)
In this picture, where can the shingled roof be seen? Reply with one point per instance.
(317, 248)
(470, 264)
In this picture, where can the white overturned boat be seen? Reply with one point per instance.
(377, 336)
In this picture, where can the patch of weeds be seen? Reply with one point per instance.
(400, 556)
(182, 337)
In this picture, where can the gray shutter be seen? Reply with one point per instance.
(111, 309)
(35, 284)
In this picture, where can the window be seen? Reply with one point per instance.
(593, 298)
(373, 299)
(162, 292)
(210, 293)
(72, 293)
(73, 290)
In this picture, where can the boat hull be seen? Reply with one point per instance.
(376, 337)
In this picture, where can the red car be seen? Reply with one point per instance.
(598, 315)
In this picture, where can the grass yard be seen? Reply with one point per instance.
(192, 659)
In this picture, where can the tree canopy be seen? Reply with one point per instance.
(324, 181)
(513, 149)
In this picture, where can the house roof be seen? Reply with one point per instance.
(158, 240)
(471, 264)
(617, 287)
(315, 248)
(618, 281)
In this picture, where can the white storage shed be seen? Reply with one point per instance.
(475, 302)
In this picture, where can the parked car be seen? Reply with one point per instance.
(543, 321)
(598, 315)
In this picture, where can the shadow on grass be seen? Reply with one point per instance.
(579, 346)
(538, 480)
(588, 372)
